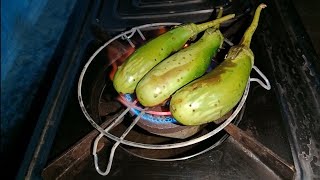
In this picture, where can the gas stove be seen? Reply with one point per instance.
(285, 120)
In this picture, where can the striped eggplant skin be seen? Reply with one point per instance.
(216, 93)
(179, 69)
(153, 52)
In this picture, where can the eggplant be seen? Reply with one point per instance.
(216, 93)
(153, 52)
(179, 69)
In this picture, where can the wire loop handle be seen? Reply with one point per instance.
(114, 147)
(265, 85)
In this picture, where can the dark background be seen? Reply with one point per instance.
(309, 13)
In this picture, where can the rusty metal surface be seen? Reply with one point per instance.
(228, 161)
(65, 165)
(265, 155)
(76, 160)
(295, 70)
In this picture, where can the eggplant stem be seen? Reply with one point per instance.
(246, 39)
(206, 25)
(219, 16)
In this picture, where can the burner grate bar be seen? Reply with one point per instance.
(264, 154)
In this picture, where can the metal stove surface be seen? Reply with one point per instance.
(116, 15)
(272, 117)
(230, 160)
(262, 120)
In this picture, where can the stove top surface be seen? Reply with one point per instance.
(261, 120)
(274, 117)
(227, 161)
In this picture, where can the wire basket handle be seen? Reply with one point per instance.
(114, 147)
(265, 85)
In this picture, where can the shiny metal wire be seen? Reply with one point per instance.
(120, 140)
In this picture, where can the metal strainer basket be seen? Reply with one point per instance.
(142, 112)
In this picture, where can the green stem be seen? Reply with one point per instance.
(246, 39)
(206, 25)
(219, 16)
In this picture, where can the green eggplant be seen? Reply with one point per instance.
(150, 54)
(216, 93)
(179, 69)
